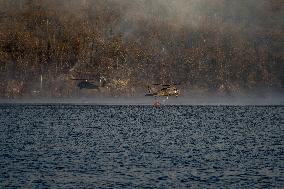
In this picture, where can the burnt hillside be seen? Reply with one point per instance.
(209, 45)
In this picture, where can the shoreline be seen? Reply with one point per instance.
(195, 101)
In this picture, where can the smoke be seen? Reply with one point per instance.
(130, 16)
(209, 44)
(249, 15)
(269, 99)
(178, 13)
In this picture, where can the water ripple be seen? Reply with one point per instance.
(69, 146)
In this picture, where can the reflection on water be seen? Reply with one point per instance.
(69, 146)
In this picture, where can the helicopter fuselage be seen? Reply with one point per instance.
(166, 91)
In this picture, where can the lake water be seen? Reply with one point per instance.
(91, 146)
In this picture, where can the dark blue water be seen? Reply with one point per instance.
(72, 146)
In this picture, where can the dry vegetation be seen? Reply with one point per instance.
(69, 38)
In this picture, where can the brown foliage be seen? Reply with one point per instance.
(52, 38)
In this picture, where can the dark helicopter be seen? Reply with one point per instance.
(90, 83)
(163, 91)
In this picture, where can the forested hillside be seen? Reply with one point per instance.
(207, 45)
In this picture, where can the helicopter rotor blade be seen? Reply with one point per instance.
(83, 79)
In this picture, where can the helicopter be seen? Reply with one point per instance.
(90, 84)
(166, 90)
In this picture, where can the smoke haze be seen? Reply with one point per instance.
(208, 46)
